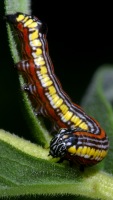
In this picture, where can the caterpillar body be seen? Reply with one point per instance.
(80, 138)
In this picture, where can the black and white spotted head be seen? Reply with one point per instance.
(61, 142)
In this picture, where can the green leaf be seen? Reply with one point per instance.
(98, 103)
(29, 171)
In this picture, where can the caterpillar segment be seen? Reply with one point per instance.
(39, 69)
(79, 147)
(81, 139)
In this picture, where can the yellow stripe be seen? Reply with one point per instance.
(25, 19)
(33, 25)
(84, 150)
(58, 103)
(20, 18)
(72, 150)
(92, 152)
(55, 98)
(96, 153)
(64, 108)
(39, 61)
(28, 22)
(38, 51)
(43, 69)
(48, 83)
(68, 115)
(79, 151)
(83, 126)
(34, 36)
(52, 90)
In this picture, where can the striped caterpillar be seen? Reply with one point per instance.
(80, 138)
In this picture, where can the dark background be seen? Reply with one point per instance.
(80, 40)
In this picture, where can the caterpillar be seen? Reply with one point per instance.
(80, 138)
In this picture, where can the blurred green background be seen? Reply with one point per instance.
(80, 40)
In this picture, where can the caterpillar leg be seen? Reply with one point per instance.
(28, 70)
(33, 96)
